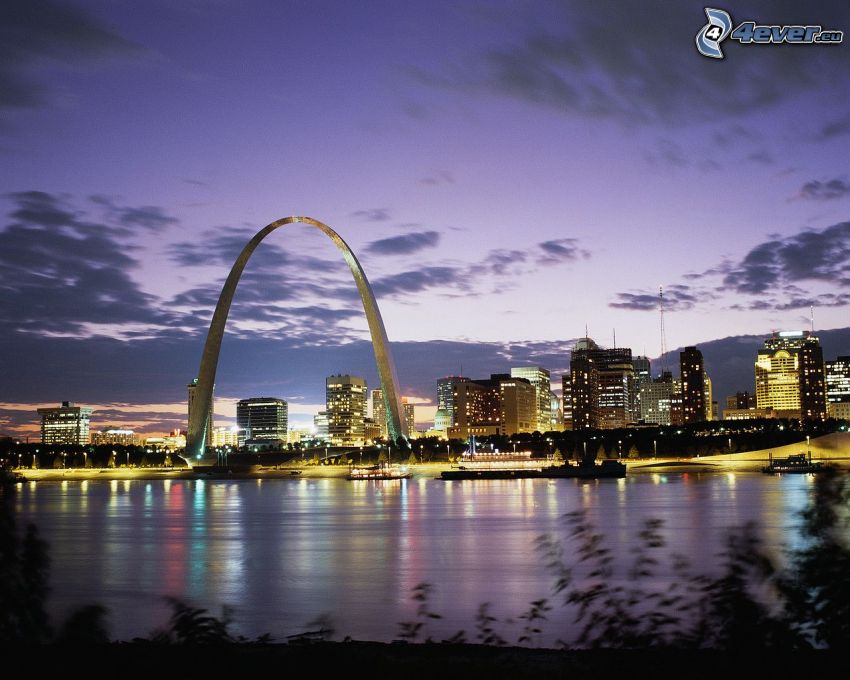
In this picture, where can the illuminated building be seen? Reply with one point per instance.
(262, 420)
(446, 388)
(114, 436)
(442, 422)
(346, 408)
(741, 400)
(518, 404)
(409, 417)
(567, 401)
(320, 422)
(541, 380)
(379, 411)
(66, 424)
(790, 377)
(656, 400)
(710, 404)
(172, 441)
(601, 386)
(693, 379)
(556, 416)
(476, 409)
(838, 387)
(641, 368)
(225, 436)
(371, 430)
(208, 430)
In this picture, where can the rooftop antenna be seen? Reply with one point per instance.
(615, 338)
(812, 318)
(663, 334)
(585, 331)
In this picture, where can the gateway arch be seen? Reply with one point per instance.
(209, 360)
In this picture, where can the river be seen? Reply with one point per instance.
(284, 552)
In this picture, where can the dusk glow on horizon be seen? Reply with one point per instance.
(508, 174)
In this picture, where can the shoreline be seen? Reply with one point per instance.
(419, 470)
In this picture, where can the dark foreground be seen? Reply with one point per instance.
(448, 660)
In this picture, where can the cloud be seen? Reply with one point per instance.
(405, 244)
(562, 250)
(39, 33)
(676, 298)
(61, 272)
(825, 191)
(372, 214)
(834, 128)
(809, 255)
(418, 280)
(563, 56)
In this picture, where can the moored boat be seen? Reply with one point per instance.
(799, 464)
(587, 469)
(379, 471)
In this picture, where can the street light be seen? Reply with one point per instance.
(619, 448)
(654, 448)
(808, 448)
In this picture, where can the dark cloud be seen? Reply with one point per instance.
(405, 244)
(421, 279)
(835, 128)
(60, 271)
(825, 191)
(810, 255)
(562, 250)
(39, 33)
(563, 56)
(372, 214)
(676, 298)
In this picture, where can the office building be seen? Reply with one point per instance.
(66, 424)
(320, 424)
(838, 387)
(601, 386)
(225, 436)
(262, 420)
(379, 411)
(556, 417)
(446, 388)
(741, 401)
(789, 372)
(641, 370)
(346, 410)
(656, 400)
(518, 404)
(567, 401)
(693, 380)
(409, 418)
(541, 380)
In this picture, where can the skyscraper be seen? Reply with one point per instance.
(601, 386)
(541, 380)
(656, 400)
(262, 419)
(346, 408)
(379, 411)
(518, 405)
(692, 372)
(789, 373)
(66, 424)
(642, 369)
(410, 418)
(838, 387)
(190, 388)
(446, 397)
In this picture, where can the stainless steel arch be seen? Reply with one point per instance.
(209, 359)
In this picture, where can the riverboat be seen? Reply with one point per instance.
(379, 471)
(474, 464)
(797, 464)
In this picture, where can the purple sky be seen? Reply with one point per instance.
(506, 173)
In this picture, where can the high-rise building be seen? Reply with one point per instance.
(410, 418)
(379, 411)
(656, 400)
(371, 430)
(584, 385)
(567, 401)
(642, 371)
(262, 419)
(320, 424)
(741, 401)
(476, 409)
(601, 386)
(692, 372)
(518, 404)
(446, 388)
(838, 387)
(66, 424)
(541, 380)
(346, 408)
(790, 377)
(190, 388)
(710, 404)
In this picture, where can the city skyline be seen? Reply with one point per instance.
(501, 193)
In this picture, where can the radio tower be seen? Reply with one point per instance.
(663, 334)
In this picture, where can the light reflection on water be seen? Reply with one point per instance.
(283, 552)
